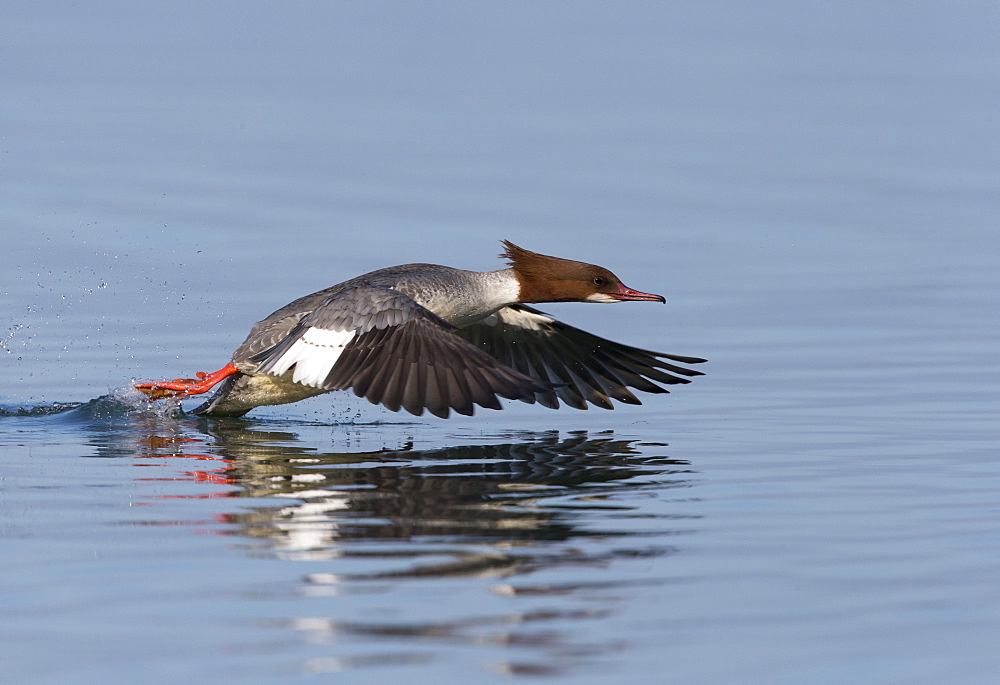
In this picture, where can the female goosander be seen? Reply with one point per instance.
(423, 336)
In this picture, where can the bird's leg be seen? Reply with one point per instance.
(179, 387)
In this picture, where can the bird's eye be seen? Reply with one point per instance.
(598, 281)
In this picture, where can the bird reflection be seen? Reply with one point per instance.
(501, 498)
(507, 509)
(493, 492)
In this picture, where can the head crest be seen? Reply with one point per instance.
(526, 261)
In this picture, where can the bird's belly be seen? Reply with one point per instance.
(257, 390)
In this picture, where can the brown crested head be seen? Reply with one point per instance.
(552, 279)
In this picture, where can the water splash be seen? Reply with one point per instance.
(125, 402)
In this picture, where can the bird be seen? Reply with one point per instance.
(426, 337)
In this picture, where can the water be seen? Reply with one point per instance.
(813, 188)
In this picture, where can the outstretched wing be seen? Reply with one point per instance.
(579, 367)
(392, 351)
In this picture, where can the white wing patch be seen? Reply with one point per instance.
(313, 355)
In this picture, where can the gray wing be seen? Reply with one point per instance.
(579, 367)
(268, 332)
(394, 352)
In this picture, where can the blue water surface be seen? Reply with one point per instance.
(812, 186)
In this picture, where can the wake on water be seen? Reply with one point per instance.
(125, 402)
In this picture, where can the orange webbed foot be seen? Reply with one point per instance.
(182, 387)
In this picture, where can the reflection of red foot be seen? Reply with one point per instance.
(179, 387)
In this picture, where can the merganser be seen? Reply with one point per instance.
(428, 337)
